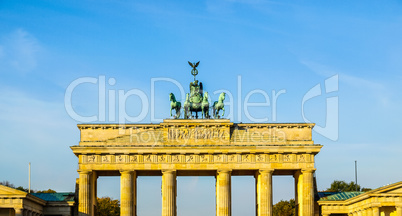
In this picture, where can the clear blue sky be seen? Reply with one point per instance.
(269, 45)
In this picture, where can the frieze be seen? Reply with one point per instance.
(162, 158)
(134, 159)
(176, 158)
(288, 158)
(190, 158)
(218, 158)
(205, 158)
(197, 133)
(232, 158)
(260, 158)
(303, 158)
(149, 158)
(106, 159)
(120, 158)
(274, 158)
(198, 158)
(247, 158)
(91, 159)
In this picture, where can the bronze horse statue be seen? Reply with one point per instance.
(186, 107)
(218, 105)
(205, 106)
(176, 105)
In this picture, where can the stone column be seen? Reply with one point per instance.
(223, 193)
(19, 211)
(398, 210)
(84, 199)
(169, 193)
(297, 175)
(264, 192)
(306, 198)
(93, 187)
(127, 193)
(369, 212)
(376, 211)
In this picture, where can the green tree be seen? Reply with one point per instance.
(46, 191)
(7, 184)
(23, 189)
(285, 208)
(108, 207)
(342, 186)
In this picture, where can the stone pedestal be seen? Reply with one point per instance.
(169, 193)
(223, 193)
(264, 192)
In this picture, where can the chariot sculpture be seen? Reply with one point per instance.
(196, 101)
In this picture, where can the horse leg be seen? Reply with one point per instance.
(170, 111)
(223, 111)
(179, 112)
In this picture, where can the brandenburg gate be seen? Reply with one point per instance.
(196, 147)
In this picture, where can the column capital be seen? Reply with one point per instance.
(266, 170)
(309, 170)
(84, 171)
(18, 210)
(224, 171)
(126, 171)
(169, 171)
(375, 205)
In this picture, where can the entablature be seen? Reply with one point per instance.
(197, 132)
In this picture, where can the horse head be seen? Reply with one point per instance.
(205, 99)
(172, 97)
(222, 96)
